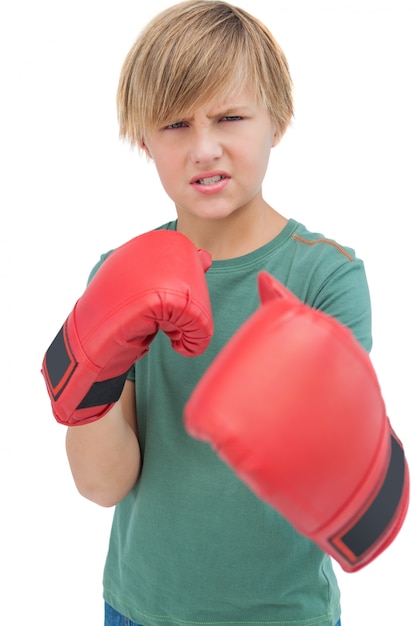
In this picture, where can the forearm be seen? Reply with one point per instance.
(104, 457)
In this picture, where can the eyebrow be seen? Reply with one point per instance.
(234, 109)
(243, 110)
(231, 110)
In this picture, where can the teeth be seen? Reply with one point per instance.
(210, 181)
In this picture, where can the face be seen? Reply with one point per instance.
(212, 163)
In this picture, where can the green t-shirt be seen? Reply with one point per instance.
(191, 544)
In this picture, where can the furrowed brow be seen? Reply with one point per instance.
(230, 111)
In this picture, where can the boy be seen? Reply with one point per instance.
(206, 93)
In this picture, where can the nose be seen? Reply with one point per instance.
(205, 146)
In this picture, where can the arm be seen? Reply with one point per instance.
(293, 405)
(104, 455)
(153, 282)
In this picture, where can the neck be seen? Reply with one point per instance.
(234, 235)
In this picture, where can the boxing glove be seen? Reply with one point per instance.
(293, 405)
(154, 282)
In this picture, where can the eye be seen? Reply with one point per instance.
(175, 125)
(231, 118)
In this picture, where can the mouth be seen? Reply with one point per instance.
(210, 183)
(209, 180)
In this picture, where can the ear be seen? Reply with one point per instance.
(144, 147)
(278, 135)
(275, 139)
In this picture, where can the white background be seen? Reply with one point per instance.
(71, 190)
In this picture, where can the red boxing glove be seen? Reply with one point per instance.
(155, 281)
(293, 405)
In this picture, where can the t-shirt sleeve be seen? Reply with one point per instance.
(344, 294)
(97, 266)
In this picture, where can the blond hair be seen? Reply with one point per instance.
(193, 54)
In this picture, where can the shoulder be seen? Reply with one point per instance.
(316, 259)
(316, 244)
(105, 255)
(329, 276)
